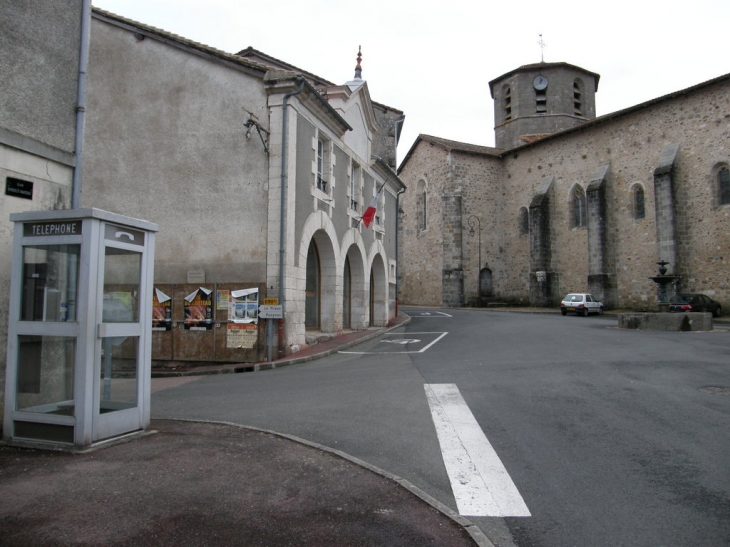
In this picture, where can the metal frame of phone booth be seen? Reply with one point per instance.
(79, 335)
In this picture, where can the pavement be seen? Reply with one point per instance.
(185, 483)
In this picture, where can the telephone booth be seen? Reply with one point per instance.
(79, 335)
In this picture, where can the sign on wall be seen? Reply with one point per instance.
(199, 310)
(244, 306)
(161, 311)
(242, 335)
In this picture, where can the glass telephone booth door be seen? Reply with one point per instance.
(79, 337)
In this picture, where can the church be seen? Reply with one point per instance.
(571, 202)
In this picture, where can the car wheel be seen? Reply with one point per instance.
(717, 312)
(600, 310)
(585, 312)
(564, 312)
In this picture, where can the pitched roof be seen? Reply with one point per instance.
(268, 60)
(450, 146)
(538, 66)
(273, 62)
(176, 39)
(606, 118)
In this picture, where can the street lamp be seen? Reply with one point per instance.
(474, 220)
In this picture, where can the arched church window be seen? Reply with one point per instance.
(578, 207)
(421, 206)
(723, 185)
(524, 221)
(637, 201)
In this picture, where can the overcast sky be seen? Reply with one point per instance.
(434, 60)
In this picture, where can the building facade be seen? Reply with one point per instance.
(38, 120)
(571, 202)
(256, 172)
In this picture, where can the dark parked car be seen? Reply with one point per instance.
(695, 302)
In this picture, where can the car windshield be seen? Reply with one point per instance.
(680, 298)
(574, 298)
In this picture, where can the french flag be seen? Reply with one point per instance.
(369, 214)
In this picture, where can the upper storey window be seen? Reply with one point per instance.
(578, 98)
(578, 207)
(507, 102)
(524, 221)
(321, 181)
(421, 206)
(540, 84)
(355, 187)
(723, 186)
(637, 201)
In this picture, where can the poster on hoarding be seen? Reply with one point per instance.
(244, 306)
(199, 310)
(223, 299)
(242, 335)
(161, 311)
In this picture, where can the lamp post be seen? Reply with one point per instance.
(472, 221)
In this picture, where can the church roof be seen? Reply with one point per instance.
(538, 66)
(449, 146)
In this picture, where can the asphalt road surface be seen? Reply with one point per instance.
(546, 431)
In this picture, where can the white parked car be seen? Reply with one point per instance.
(581, 303)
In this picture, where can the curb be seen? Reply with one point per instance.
(285, 362)
(469, 527)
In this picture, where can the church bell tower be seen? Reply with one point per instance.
(536, 100)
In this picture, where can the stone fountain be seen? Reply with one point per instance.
(662, 280)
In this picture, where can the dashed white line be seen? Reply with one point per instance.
(480, 483)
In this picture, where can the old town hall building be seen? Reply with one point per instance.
(568, 201)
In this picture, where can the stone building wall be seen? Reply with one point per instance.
(626, 145)
(632, 145)
(421, 251)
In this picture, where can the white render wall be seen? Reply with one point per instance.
(166, 142)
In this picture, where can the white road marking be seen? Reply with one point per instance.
(402, 341)
(424, 348)
(481, 484)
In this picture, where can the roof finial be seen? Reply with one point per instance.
(358, 68)
(542, 45)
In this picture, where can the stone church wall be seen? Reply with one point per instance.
(623, 151)
(421, 258)
(632, 145)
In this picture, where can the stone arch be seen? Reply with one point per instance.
(353, 249)
(486, 283)
(378, 285)
(318, 229)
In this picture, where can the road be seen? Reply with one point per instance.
(610, 437)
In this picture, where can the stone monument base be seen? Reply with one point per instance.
(687, 321)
